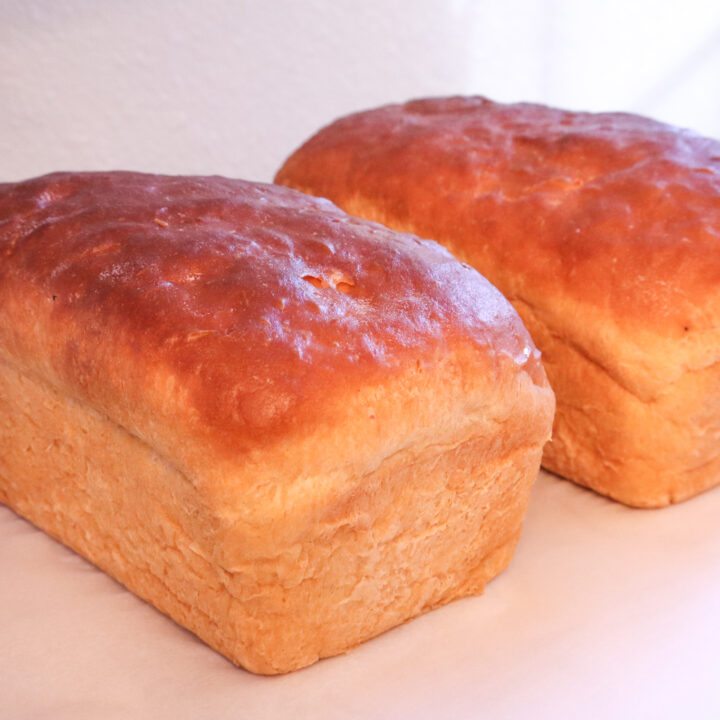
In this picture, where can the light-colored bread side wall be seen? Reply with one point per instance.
(430, 525)
(642, 453)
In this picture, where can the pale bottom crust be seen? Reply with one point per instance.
(419, 532)
(643, 453)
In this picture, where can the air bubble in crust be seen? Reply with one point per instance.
(314, 281)
(337, 280)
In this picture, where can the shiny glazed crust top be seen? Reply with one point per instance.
(606, 224)
(225, 322)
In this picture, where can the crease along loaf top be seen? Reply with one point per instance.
(278, 364)
(602, 229)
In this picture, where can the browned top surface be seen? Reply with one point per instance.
(252, 303)
(612, 209)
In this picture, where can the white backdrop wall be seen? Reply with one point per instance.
(216, 86)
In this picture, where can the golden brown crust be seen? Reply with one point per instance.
(616, 209)
(603, 228)
(235, 305)
(241, 402)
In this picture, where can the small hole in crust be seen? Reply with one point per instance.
(337, 280)
(314, 281)
(341, 281)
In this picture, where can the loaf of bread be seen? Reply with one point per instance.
(603, 230)
(286, 428)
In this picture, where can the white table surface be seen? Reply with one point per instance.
(605, 612)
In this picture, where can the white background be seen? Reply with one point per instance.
(232, 87)
(605, 612)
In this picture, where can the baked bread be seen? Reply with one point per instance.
(602, 229)
(286, 428)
